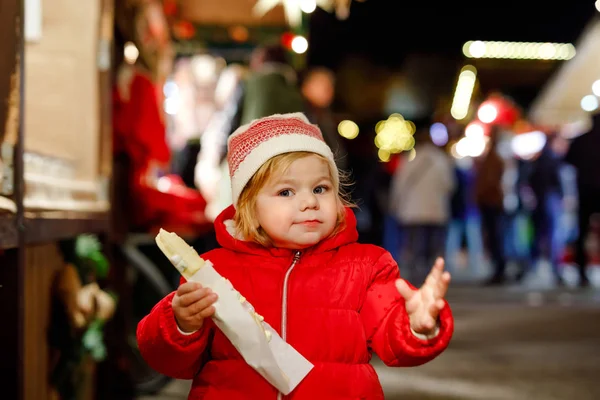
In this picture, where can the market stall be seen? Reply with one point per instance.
(56, 168)
(560, 101)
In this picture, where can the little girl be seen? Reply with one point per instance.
(289, 246)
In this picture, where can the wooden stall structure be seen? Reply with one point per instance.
(56, 165)
(229, 28)
(559, 102)
(229, 12)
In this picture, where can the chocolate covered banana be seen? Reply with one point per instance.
(188, 262)
(182, 255)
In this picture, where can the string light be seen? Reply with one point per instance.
(589, 103)
(519, 50)
(463, 92)
(299, 44)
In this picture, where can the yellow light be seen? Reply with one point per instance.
(454, 151)
(308, 6)
(412, 155)
(598, 5)
(411, 127)
(474, 130)
(348, 129)
(410, 143)
(380, 125)
(292, 8)
(467, 46)
(463, 92)
(299, 44)
(596, 86)
(383, 155)
(477, 49)
(547, 51)
(519, 50)
(378, 141)
(487, 113)
(395, 134)
(130, 52)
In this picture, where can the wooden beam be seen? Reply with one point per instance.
(9, 11)
(11, 334)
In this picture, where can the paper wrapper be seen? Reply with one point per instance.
(278, 362)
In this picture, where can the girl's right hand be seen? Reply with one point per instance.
(191, 304)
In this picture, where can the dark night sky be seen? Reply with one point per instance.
(440, 27)
(387, 31)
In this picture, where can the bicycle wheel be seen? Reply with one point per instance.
(149, 285)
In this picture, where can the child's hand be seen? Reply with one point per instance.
(191, 304)
(424, 305)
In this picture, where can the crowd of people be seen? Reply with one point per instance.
(434, 210)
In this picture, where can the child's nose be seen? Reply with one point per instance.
(309, 201)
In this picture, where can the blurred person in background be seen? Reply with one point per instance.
(489, 197)
(464, 224)
(318, 89)
(518, 204)
(196, 79)
(272, 85)
(544, 184)
(583, 155)
(392, 229)
(269, 86)
(211, 171)
(420, 200)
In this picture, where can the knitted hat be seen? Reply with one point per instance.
(253, 144)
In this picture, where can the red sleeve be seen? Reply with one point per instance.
(166, 349)
(387, 325)
(148, 130)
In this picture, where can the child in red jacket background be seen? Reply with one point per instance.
(289, 246)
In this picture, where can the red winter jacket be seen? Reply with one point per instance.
(341, 304)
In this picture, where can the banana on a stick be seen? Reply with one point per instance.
(182, 255)
(188, 262)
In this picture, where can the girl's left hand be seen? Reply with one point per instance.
(424, 305)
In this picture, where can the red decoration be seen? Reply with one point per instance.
(286, 40)
(170, 8)
(393, 164)
(508, 111)
(523, 126)
(157, 198)
(239, 33)
(184, 30)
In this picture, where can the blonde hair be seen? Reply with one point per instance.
(245, 217)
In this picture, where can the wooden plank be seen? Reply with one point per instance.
(62, 118)
(9, 10)
(229, 12)
(105, 42)
(11, 334)
(50, 229)
(8, 231)
(42, 262)
(11, 261)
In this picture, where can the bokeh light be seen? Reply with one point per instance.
(395, 134)
(589, 103)
(348, 129)
(439, 134)
(299, 44)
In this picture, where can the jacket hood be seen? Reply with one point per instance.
(226, 236)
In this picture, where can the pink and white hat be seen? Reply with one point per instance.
(253, 144)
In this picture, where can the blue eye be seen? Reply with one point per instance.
(285, 193)
(320, 189)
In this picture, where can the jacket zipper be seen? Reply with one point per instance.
(284, 302)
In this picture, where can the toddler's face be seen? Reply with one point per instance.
(299, 208)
